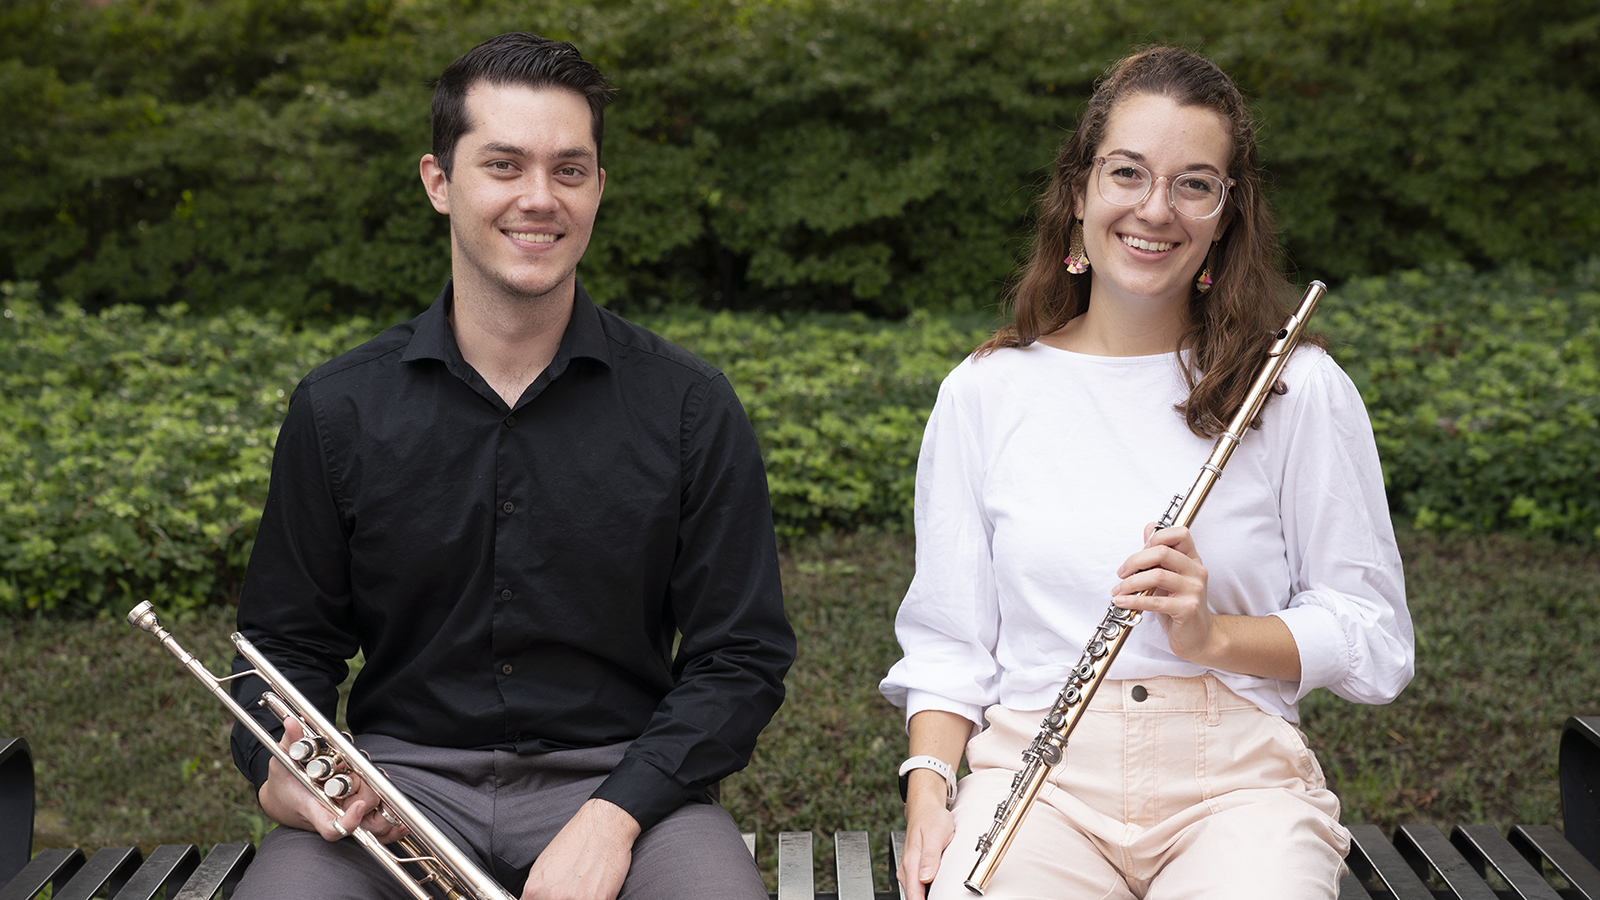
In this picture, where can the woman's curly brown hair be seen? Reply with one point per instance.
(1230, 325)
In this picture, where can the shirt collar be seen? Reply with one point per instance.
(434, 338)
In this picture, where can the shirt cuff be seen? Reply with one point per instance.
(1324, 654)
(250, 757)
(645, 792)
(917, 701)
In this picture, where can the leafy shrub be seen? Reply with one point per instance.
(136, 448)
(816, 154)
(137, 444)
(839, 404)
(1484, 393)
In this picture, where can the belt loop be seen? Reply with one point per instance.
(1213, 717)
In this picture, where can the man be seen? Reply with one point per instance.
(513, 505)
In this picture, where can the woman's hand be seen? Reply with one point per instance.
(929, 828)
(929, 825)
(1170, 566)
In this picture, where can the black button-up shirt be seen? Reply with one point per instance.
(516, 577)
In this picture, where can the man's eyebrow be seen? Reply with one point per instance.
(1139, 158)
(505, 149)
(495, 147)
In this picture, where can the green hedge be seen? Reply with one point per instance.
(137, 457)
(817, 154)
(137, 446)
(1484, 393)
(838, 402)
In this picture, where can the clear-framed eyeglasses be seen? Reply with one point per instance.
(1123, 182)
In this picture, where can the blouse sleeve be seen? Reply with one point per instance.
(1348, 608)
(948, 623)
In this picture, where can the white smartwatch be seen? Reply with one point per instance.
(937, 765)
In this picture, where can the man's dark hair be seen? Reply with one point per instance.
(513, 58)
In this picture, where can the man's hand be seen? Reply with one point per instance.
(286, 801)
(589, 857)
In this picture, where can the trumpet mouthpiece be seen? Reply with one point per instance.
(144, 617)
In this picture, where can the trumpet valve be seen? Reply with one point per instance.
(320, 768)
(339, 786)
(306, 748)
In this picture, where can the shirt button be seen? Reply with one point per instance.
(506, 669)
(510, 421)
(1139, 693)
(505, 594)
(508, 506)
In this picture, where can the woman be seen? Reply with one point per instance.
(1139, 324)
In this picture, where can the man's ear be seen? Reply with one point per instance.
(436, 183)
(602, 192)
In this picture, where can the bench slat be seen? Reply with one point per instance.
(897, 849)
(1484, 844)
(16, 807)
(169, 866)
(1579, 774)
(852, 856)
(1372, 854)
(795, 879)
(1416, 851)
(109, 868)
(1425, 847)
(1543, 841)
(221, 870)
(53, 867)
(1350, 888)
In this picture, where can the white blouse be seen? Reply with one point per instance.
(1040, 468)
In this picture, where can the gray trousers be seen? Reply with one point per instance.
(504, 809)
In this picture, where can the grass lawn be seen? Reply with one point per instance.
(130, 750)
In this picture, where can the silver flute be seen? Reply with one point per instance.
(327, 763)
(1046, 751)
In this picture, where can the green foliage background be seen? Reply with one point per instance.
(793, 154)
(138, 455)
(1484, 393)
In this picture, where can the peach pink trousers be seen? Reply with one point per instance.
(1191, 792)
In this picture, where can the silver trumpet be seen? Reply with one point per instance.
(327, 763)
(1049, 746)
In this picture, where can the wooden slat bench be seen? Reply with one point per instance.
(1417, 862)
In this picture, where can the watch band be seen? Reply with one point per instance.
(937, 765)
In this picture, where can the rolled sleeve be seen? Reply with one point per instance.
(948, 624)
(1348, 612)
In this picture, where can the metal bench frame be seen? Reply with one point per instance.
(1419, 862)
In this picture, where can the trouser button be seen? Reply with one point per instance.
(1139, 693)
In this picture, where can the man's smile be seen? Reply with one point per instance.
(533, 237)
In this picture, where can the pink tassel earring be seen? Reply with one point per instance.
(1077, 260)
(1203, 283)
